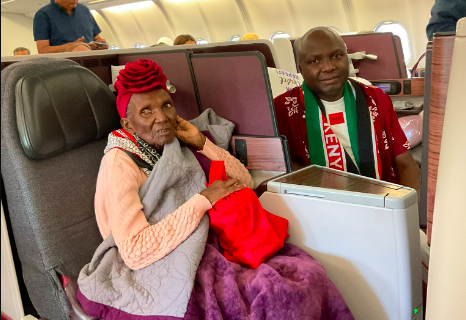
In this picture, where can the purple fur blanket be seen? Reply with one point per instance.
(289, 286)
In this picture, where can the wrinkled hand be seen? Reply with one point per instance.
(80, 40)
(220, 189)
(189, 134)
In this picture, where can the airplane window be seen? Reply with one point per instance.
(234, 38)
(278, 35)
(139, 46)
(201, 41)
(399, 30)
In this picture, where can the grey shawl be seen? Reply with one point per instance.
(164, 287)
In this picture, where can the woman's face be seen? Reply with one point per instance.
(152, 116)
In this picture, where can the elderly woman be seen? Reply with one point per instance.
(156, 261)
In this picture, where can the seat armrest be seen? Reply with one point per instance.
(261, 188)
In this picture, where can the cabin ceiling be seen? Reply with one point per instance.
(26, 7)
(146, 21)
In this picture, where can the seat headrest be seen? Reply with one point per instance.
(58, 110)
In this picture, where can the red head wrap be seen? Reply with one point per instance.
(138, 77)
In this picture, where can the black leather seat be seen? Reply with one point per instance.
(55, 119)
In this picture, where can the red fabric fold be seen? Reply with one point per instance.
(248, 234)
(138, 77)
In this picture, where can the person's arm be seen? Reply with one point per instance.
(139, 243)
(408, 171)
(43, 46)
(189, 134)
(233, 167)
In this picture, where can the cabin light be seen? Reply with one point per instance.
(7, 1)
(234, 38)
(201, 41)
(178, 1)
(97, 1)
(278, 35)
(113, 48)
(139, 46)
(131, 6)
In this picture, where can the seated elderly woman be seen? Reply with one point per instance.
(158, 259)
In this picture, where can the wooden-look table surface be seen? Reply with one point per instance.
(330, 179)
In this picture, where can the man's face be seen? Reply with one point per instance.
(67, 4)
(323, 62)
(152, 116)
(21, 53)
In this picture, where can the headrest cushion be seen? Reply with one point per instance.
(58, 110)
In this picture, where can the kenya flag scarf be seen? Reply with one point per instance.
(325, 148)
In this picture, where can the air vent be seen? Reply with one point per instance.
(109, 61)
(89, 63)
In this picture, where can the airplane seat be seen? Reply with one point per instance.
(55, 116)
(285, 55)
(296, 51)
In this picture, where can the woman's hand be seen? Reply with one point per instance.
(189, 134)
(220, 189)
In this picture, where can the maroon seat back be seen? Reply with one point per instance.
(236, 86)
(240, 47)
(387, 66)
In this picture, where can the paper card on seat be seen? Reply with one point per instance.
(282, 81)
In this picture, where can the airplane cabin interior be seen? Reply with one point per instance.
(392, 252)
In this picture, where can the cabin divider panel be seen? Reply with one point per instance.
(425, 138)
(240, 47)
(236, 86)
(442, 53)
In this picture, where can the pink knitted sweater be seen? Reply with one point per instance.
(119, 209)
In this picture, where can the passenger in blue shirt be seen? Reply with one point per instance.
(444, 16)
(62, 23)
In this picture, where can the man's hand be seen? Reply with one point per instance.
(95, 46)
(189, 134)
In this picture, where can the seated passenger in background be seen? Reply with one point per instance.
(21, 51)
(249, 36)
(150, 205)
(340, 123)
(184, 39)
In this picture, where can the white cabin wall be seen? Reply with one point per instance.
(366, 14)
(141, 22)
(268, 16)
(330, 13)
(187, 18)
(16, 32)
(223, 18)
(419, 11)
(107, 32)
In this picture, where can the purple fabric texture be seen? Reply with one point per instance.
(289, 286)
